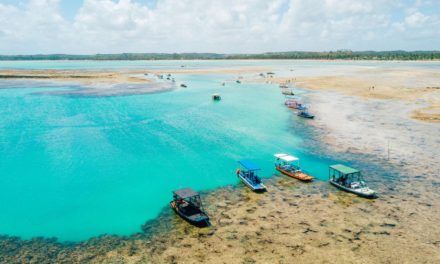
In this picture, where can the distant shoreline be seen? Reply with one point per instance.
(291, 55)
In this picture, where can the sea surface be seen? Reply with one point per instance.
(74, 167)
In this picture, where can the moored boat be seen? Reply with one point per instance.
(288, 92)
(349, 180)
(248, 175)
(289, 165)
(292, 103)
(305, 113)
(216, 97)
(188, 205)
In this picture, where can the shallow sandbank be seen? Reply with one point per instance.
(420, 87)
(88, 83)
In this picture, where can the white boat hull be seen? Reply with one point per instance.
(363, 192)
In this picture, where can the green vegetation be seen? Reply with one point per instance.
(330, 55)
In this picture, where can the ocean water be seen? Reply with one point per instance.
(74, 167)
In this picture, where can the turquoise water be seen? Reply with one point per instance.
(77, 167)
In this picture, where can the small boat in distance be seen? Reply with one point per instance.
(216, 97)
(238, 81)
(288, 92)
(188, 205)
(291, 103)
(289, 165)
(183, 85)
(349, 180)
(305, 113)
(248, 176)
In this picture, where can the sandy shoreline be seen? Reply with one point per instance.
(90, 83)
(306, 223)
(418, 87)
(82, 76)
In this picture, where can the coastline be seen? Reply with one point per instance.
(297, 222)
(418, 88)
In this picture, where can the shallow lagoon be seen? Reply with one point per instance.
(76, 167)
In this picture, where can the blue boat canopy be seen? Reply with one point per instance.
(249, 165)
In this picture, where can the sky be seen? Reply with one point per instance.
(226, 26)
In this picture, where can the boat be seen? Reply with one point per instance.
(288, 92)
(291, 103)
(238, 81)
(183, 85)
(216, 97)
(223, 83)
(305, 113)
(188, 205)
(349, 180)
(289, 165)
(248, 175)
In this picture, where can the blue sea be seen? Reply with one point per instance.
(74, 167)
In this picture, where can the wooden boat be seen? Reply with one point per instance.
(291, 103)
(188, 205)
(350, 180)
(304, 113)
(289, 165)
(216, 97)
(248, 176)
(289, 92)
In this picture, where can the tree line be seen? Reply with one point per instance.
(328, 55)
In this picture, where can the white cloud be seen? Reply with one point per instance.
(416, 20)
(106, 26)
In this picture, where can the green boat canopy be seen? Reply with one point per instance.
(344, 169)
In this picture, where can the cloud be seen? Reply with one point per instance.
(106, 26)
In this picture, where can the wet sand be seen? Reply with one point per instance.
(419, 87)
(82, 76)
(90, 83)
(98, 83)
(296, 222)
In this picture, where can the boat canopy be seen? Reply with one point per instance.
(249, 165)
(344, 169)
(186, 193)
(286, 157)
